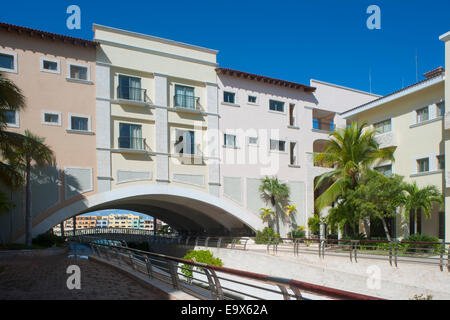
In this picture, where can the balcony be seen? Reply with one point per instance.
(193, 155)
(186, 102)
(323, 126)
(132, 94)
(132, 144)
(386, 139)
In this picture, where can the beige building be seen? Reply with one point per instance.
(412, 121)
(57, 76)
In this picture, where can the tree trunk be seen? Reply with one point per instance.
(415, 221)
(28, 220)
(386, 229)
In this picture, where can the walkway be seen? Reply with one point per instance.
(39, 277)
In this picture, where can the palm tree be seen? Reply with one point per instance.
(11, 99)
(32, 151)
(420, 199)
(350, 152)
(277, 194)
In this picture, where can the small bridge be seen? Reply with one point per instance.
(124, 234)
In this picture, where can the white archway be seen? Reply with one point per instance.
(181, 207)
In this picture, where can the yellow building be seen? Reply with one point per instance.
(412, 121)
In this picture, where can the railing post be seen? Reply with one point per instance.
(219, 242)
(206, 242)
(356, 250)
(245, 244)
(395, 253)
(390, 253)
(284, 291)
(441, 256)
(132, 261)
(196, 241)
(214, 284)
(149, 267)
(173, 268)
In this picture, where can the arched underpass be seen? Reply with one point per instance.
(187, 210)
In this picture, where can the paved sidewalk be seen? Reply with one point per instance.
(35, 277)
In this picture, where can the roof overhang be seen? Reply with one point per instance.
(268, 80)
(445, 37)
(394, 96)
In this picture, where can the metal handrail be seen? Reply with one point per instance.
(433, 253)
(132, 93)
(131, 143)
(186, 102)
(168, 271)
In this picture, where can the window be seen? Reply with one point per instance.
(184, 97)
(12, 118)
(79, 123)
(8, 61)
(184, 141)
(229, 140)
(50, 65)
(251, 99)
(386, 170)
(292, 115)
(423, 165)
(78, 72)
(130, 136)
(276, 105)
(253, 140)
(293, 153)
(422, 115)
(229, 97)
(130, 88)
(383, 126)
(51, 118)
(441, 109)
(277, 145)
(441, 162)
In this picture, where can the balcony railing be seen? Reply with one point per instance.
(132, 93)
(324, 126)
(131, 143)
(185, 101)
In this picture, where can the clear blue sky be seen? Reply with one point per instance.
(290, 39)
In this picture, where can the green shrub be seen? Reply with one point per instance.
(202, 256)
(298, 233)
(420, 247)
(314, 224)
(266, 236)
(47, 240)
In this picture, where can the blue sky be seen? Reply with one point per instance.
(294, 40)
(115, 211)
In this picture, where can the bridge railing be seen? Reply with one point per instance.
(395, 252)
(216, 283)
(107, 230)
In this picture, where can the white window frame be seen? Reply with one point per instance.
(225, 141)
(235, 97)
(57, 124)
(252, 103)
(380, 121)
(14, 55)
(69, 64)
(17, 123)
(253, 144)
(58, 64)
(278, 150)
(417, 164)
(276, 111)
(80, 116)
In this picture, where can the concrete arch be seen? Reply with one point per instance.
(186, 209)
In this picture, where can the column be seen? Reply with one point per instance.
(161, 129)
(103, 127)
(212, 141)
